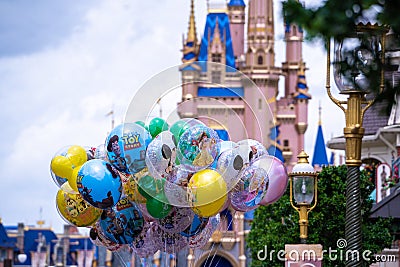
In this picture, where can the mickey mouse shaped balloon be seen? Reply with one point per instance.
(161, 155)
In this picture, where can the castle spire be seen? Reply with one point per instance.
(301, 88)
(190, 45)
(320, 158)
(192, 35)
(319, 114)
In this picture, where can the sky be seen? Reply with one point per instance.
(65, 64)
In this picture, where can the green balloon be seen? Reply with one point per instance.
(180, 126)
(141, 123)
(177, 128)
(158, 207)
(147, 186)
(157, 125)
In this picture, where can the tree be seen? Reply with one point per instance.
(277, 224)
(337, 18)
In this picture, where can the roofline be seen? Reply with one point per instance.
(386, 200)
(339, 142)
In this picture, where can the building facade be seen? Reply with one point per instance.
(230, 80)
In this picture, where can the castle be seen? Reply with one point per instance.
(239, 106)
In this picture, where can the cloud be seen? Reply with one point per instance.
(56, 87)
(60, 94)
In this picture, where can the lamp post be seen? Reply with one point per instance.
(357, 57)
(303, 188)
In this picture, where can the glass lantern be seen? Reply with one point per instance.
(303, 189)
(357, 59)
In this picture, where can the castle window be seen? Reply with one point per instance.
(259, 103)
(260, 60)
(294, 30)
(216, 58)
(286, 143)
(216, 76)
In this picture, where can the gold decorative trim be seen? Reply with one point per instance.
(301, 127)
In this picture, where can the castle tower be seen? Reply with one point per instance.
(260, 67)
(221, 98)
(236, 11)
(189, 70)
(292, 111)
(320, 157)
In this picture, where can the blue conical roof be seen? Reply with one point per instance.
(319, 156)
(236, 3)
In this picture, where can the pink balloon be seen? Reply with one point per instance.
(278, 179)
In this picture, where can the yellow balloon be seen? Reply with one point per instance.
(77, 155)
(67, 188)
(73, 177)
(61, 166)
(208, 192)
(130, 186)
(75, 210)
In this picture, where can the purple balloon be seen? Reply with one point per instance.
(278, 179)
(250, 189)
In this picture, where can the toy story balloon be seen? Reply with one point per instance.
(123, 222)
(75, 210)
(99, 183)
(126, 147)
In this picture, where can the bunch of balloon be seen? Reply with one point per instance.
(152, 186)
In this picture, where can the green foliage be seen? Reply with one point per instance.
(337, 19)
(277, 224)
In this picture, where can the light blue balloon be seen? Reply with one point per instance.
(99, 183)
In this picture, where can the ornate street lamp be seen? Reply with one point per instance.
(358, 61)
(303, 188)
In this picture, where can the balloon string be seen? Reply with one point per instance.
(219, 245)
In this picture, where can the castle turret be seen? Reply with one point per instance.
(189, 69)
(320, 158)
(236, 10)
(294, 56)
(293, 106)
(260, 67)
(301, 97)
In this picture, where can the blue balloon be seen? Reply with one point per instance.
(126, 147)
(99, 183)
(123, 223)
